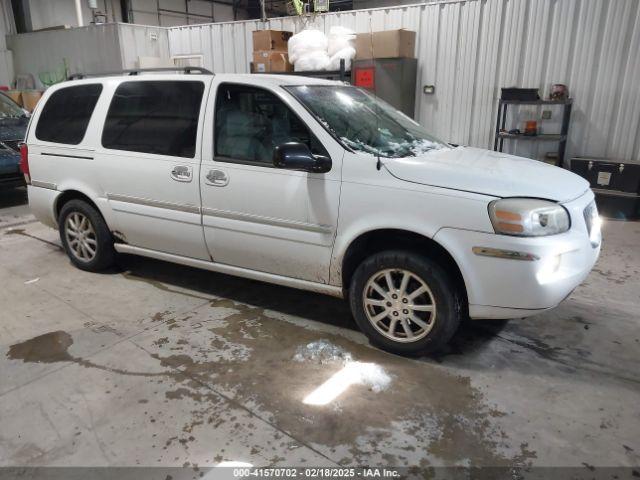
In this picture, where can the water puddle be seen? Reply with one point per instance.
(53, 347)
(368, 405)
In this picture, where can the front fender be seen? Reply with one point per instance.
(417, 209)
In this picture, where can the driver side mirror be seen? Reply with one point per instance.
(297, 156)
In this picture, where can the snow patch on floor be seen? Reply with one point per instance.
(370, 375)
(322, 352)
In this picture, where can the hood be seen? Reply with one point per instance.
(490, 173)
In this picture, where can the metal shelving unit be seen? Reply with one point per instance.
(342, 75)
(560, 138)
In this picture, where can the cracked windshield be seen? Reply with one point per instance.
(365, 123)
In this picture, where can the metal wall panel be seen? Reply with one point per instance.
(86, 49)
(142, 41)
(469, 49)
(92, 49)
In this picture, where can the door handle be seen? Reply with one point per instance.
(181, 173)
(217, 178)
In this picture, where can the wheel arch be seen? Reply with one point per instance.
(375, 241)
(72, 194)
(101, 207)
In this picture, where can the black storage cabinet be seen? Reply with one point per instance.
(616, 185)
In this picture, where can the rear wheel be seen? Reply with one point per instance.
(404, 302)
(85, 236)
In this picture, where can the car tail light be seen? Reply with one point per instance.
(24, 162)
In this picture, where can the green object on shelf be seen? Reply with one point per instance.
(57, 75)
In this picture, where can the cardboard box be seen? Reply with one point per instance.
(387, 44)
(15, 95)
(271, 61)
(30, 99)
(270, 40)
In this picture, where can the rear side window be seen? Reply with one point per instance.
(159, 117)
(66, 114)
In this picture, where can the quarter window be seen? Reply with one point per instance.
(66, 115)
(250, 122)
(159, 117)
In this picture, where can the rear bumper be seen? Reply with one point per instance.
(41, 204)
(546, 272)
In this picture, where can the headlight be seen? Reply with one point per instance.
(528, 217)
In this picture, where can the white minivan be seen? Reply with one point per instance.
(311, 184)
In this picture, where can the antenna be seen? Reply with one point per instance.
(375, 90)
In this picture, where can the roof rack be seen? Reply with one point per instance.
(136, 71)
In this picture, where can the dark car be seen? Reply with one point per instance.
(13, 126)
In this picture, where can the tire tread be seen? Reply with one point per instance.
(105, 255)
(449, 300)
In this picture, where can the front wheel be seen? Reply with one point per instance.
(404, 302)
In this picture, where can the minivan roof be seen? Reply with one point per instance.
(254, 78)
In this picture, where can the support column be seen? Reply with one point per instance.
(79, 18)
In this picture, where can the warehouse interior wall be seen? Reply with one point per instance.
(169, 13)
(45, 14)
(364, 4)
(47, 53)
(45, 49)
(48, 13)
(107, 47)
(469, 49)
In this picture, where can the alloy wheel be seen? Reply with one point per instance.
(81, 236)
(399, 304)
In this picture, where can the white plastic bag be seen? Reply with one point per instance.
(339, 39)
(311, 50)
(311, 61)
(305, 42)
(347, 53)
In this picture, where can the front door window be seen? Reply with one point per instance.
(250, 122)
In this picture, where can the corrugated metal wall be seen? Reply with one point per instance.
(469, 49)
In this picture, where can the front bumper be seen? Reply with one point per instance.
(526, 285)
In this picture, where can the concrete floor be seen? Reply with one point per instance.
(158, 364)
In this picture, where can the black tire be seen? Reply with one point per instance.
(448, 301)
(105, 254)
